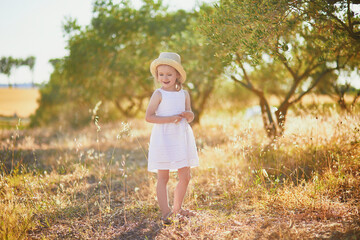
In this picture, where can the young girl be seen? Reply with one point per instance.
(172, 144)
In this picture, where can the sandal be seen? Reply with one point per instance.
(167, 220)
(180, 218)
(187, 213)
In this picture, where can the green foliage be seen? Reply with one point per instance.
(336, 24)
(109, 62)
(198, 57)
(230, 96)
(8, 63)
(275, 48)
(253, 27)
(248, 27)
(335, 18)
(56, 105)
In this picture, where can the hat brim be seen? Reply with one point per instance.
(157, 62)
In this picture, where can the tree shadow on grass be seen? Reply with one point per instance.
(73, 222)
(349, 234)
(59, 159)
(142, 230)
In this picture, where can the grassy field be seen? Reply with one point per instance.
(17, 103)
(93, 183)
(21, 102)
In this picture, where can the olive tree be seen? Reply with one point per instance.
(261, 35)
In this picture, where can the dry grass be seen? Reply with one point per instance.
(93, 183)
(21, 102)
(312, 99)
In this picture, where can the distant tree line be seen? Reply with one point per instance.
(9, 63)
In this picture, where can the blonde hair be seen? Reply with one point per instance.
(178, 85)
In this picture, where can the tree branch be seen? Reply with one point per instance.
(248, 86)
(355, 98)
(312, 86)
(348, 14)
(309, 69)
(119, 107)
(242, 83)
(300, 64)
(297, 80)
(283, 60)
(347, 60)
(344, 26)
(246, 76)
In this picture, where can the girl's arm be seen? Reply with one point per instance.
(188, 114)
(150, 115)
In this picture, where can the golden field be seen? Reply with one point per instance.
(21, 102)
(93, 183)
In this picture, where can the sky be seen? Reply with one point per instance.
(34, 28)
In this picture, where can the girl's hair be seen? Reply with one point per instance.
(178, 84)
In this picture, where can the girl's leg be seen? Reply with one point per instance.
(161, 191)
(180, 190)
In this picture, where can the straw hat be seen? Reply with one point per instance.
(171, 59)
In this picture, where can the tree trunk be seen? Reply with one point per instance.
(196, 118)
(126, 112)
(198, 106)
(342, 104)
(355, 98)
(281, 117)
(269, 124)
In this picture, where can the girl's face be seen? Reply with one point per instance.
(167, 76)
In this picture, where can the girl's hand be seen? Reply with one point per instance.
(176, 118)
(188, 115)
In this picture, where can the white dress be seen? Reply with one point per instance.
(172, 146)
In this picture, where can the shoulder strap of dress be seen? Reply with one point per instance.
(184, 92)
(160, 91)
